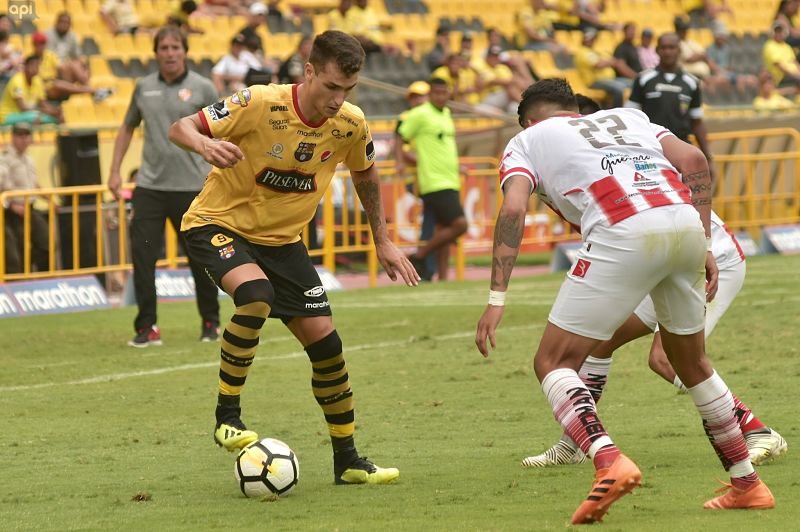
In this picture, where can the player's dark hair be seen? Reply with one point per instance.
(170, 31)
(340, 47)
(555, 91)
(586, 105)
(434, 82)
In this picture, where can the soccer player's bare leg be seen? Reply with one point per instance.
(557, 360)
(715, 404)
(330, 384)
(252, 294)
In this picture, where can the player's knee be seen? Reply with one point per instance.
(255, 291)
(460, 225)
(328, 347)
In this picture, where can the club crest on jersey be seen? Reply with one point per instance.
(241, 98)
(226, 252)
(220, 240)
(326, 155)
(184, 94)
(304, 151)
(287, 180)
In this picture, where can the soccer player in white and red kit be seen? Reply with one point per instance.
(642, 199)
(763, 443)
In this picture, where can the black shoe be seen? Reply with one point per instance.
(362, 471)
(146, 336)
(210, 332)
(421, 266)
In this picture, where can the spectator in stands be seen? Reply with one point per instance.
(168, 179)
(10, 59)
(464, 82)
(599, 70)
(780, 60)
(18, 172)
(626, 49)
(441, 49)
(648, 58)
(5, 24)
(224, 8)
(671, 97)
(180, 17)
(535, 28)
(229, 73)
(705, 13)
(120, 16)
(769, 99)
(291, 71)
(723, 70)
(693, 56)
(502, 91)
(566, 15)
(405, 154)
(787, 17)
(257, 16)
(363, 23)
(431, 127)
(337, 17)
(56, 85)
(495, 38)
(73, 66)
(24, 98)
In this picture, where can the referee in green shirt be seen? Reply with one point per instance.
(431, 127)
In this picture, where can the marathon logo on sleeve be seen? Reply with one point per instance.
(287, 181)
(218, 111)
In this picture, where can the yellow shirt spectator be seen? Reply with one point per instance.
(774, 102)
(48, 68)
(565, 13)
(466, 82)
(528, 21)
(18, 87)
(779, 53)
(364, 22)
(499, 72)
(586, 60)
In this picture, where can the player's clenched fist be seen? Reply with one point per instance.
(221, 153)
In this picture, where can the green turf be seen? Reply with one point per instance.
(89, 423)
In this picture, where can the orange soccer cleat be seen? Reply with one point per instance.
(609, 485)
(756, 497)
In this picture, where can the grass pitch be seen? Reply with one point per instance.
(100, 436)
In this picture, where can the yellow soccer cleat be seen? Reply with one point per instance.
(362, 471)
(233, 438)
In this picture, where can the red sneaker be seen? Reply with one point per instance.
(609, 485)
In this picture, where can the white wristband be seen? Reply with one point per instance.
(496, 298)
(708, 243)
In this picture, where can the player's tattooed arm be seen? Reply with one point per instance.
(508, 231)
(699, 184)
(367, 187)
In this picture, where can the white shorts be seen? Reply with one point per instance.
(660, 251)
(730, 283)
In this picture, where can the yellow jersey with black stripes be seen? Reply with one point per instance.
(288, 163)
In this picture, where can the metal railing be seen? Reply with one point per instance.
(758, 184)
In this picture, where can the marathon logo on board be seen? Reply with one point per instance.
(783, 239)
(51, 296)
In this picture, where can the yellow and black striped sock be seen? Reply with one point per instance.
(330, 384)
(240, 339)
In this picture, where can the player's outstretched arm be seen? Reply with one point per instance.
(368, 188)
(508, 231)
(189, 133)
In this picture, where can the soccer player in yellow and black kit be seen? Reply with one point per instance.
(274, 150)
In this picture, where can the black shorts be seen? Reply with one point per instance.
(298, 289)
(446, 205)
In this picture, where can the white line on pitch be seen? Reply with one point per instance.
(285, 356)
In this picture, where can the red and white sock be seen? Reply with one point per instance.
(747, 420)
(715, 404)
(594, 374)
(575, 409)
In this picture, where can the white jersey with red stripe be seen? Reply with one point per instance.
(724, 246)
(596, 169)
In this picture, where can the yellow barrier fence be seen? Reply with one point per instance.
(758, 184)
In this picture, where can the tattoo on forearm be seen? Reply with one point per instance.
(508, 230)
(501, 271)
(700, 186)
(370, 195)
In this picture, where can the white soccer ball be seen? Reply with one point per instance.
(266, 467)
